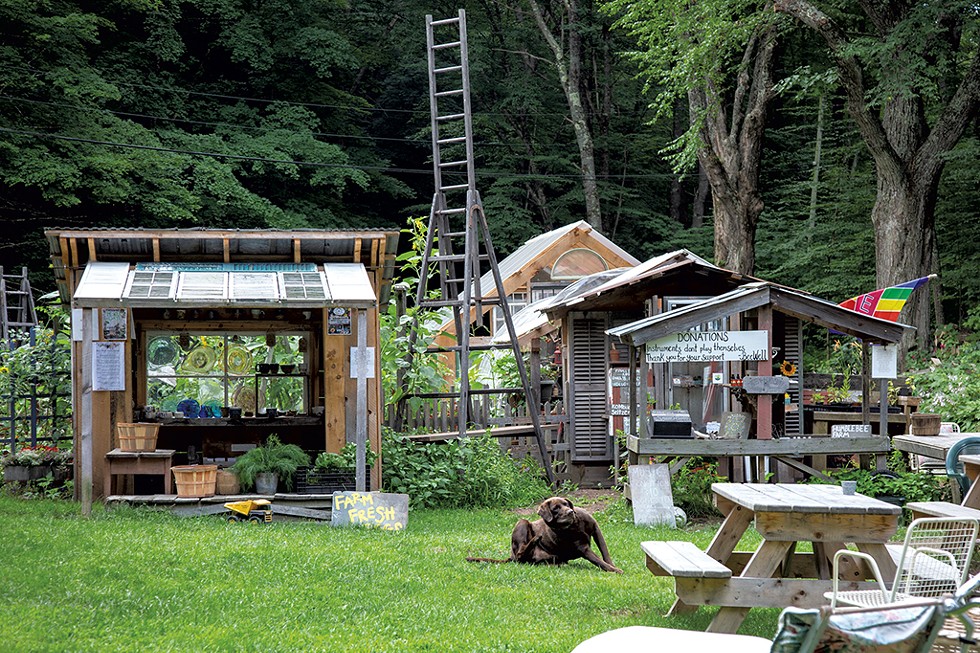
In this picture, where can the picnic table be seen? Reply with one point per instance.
(776, 574)
(930, 446)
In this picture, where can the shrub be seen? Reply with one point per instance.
(346, 460)
(459, 473)
(691, 487)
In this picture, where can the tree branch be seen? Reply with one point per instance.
(851, 77)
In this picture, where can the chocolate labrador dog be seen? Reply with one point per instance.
(563, 533)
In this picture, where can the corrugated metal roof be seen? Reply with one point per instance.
(635, 285)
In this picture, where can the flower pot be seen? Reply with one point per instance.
(26, 473)
(925, 423)
(547, 390)
(266, 483)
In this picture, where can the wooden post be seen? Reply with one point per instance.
(334, 394)
(764, 368)
(395, 419)
(83, 376)
(360, 419)
(635, 412)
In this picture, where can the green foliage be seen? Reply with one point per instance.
(685, 47)
(459, 473)
(42, 371)
(948, 378)
(426, 373)
(691, 487)
(346, 460)
(274, 457)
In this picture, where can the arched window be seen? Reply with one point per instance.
(577, 263)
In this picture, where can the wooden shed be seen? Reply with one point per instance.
(595, 366)
(545, 264)
(189, 328)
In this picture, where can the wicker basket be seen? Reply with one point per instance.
(195, 480)
(137, 437)
(925, 423)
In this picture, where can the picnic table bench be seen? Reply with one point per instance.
(970, 507)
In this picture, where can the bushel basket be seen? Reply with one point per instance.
(195, 480)
(139, 436)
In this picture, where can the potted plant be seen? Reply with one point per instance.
(549, 376)
(332, 472)
(264, 466)
(34, 463)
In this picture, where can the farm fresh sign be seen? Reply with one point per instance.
(709, 346)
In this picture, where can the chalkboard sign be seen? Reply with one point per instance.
(735, 426)
(653, 504)
(388, 512)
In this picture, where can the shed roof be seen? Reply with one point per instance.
(521, 259)
(73, 249)
(155, 285)
(802, 305)
(679, 273)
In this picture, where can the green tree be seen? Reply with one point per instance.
(911, 72)
(719, 56)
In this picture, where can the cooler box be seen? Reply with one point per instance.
(670, 424)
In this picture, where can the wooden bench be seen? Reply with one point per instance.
(682, 560)
(941, 509)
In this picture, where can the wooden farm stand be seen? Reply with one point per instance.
(766, 309)
(319, 290)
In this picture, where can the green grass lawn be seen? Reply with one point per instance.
(136, 580)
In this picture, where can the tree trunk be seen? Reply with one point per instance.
(732, 153)
(812, 220)
(570, 75)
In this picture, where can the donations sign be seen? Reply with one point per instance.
(709, 346)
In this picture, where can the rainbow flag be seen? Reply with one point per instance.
(885, 303)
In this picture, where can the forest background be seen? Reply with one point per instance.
(639, 117)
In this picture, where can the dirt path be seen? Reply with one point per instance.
(590, 500)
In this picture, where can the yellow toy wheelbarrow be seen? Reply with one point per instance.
(258, 511)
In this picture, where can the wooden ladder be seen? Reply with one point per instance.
(458, 248)
(16, 304)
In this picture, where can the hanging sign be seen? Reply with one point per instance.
(884, 362)
(709, 346)
(338, 321)
(108, 366)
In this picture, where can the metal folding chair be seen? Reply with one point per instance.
(933, 561)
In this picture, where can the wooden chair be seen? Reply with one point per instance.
(902, 628)
(933, 561)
